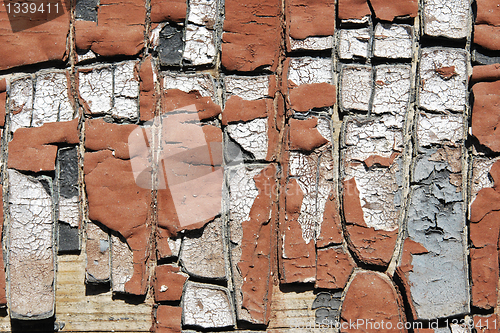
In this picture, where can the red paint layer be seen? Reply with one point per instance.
(298, 262)
(334, 267)
(167, 319)
(310, 18)
(485, 73)
(35, 149)
(147, 100)
(487, 36)
(252, 35)
(388, 11)
(258, 247)
(114, 198)
(39, 43)
(488, 12)
(372, 296)
(309, 96)
(120, 30)
(486, 114)
(353, 9)
(304, 135)
(237, 109)
(168, 283)
(371, 246)
(331, 228)
(172, 11)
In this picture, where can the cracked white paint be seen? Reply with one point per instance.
(354, 43)
(439, 129)
(203, 255)
(122, 267)
(31, 247)
(481, 167)
(242, 192)
(126, 91)
(310, 70)
(68, 211)
(86, 56)
(449, 19)
(379, 195)
(392, 41)
(362, 20)
(440, 92)
(312, 43)
(51, 102)
(356, 88)
(251, 136)
(202, 83)
(324, 128)
(111, 90)
(200, 45)
(96, 89)
(305, 168)
(203, 12)
(175, 246)
(367, 137)
(392, 91)
(98, 267)
(21, 102)
(249, 88)
(206, 306)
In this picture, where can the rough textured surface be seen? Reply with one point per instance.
(169, 283)
(98, 245)
(119, 31)
(487, 37)
(310, 18)
(114, 198)
(372, 297)
(41, 98)
(446, 19)
(27, 41)
(354, 43)
(251, 34)
(486, 114)
(393, 41)
(168, 319)
(41, 143)
(435, 221)
(306, 70)
(206, 306)
(252, 215)
(202, 252)
(392, 92)
(68, 236)
(334, 267)
(122, 267)
(484, 234)
(356, 87)
(110, 90)
(388, 11)
(306, 196)
(353, 9)
(443, 79)
(31, 265)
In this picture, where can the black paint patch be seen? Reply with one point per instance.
(68, 238)
(68, 172)
(86, 10)
(171, 45)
